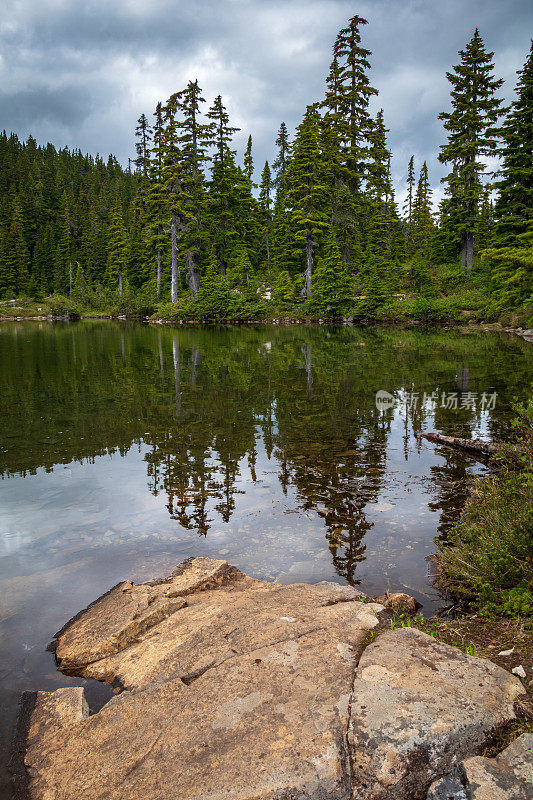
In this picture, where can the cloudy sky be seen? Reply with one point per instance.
(80, 73)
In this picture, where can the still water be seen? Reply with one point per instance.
(125, 449)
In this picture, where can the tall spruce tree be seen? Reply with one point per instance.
(423, 223)
(282, 159)
(156, 195)
(307, 191)
(472, 127)
(408, 208)
(194, 139)
(265, 202)
(116, 248)
(248, 160)
(514, 206)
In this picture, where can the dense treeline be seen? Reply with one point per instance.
(320, 229)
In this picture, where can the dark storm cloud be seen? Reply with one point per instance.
(80, 75)
(31, 108)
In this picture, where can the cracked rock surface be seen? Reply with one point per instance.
(509, 776)
(238, 688)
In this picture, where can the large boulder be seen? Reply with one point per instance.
(243, 692)
(417, 708)
(234, 687)
(509, 776)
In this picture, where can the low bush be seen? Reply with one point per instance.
(488, 559)
(60, 306)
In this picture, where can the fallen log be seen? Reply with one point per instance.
(474, 446)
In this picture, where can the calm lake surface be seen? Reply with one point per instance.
(125, 449)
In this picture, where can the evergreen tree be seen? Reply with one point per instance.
(349, 113)
(213, 298)
(143, 132)
(194, 139)
(473, 134)
(155, 203)
(265, 191)
(171, 179)
(422, 223)
(307, 190)
(381, 216)
(283, 289)
(16, 257)
(282, 159)
(63, 270)
(408, 207)
(331, 282)
(514, 206)
(116, 249)
(248, 160)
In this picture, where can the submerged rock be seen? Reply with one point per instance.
(234, 687)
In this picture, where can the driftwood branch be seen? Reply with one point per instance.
(474, 446)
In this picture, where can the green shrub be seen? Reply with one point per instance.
(489, 557)
(63, 307)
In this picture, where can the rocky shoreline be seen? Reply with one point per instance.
(227, 686)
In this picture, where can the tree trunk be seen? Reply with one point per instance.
(469, 251)
(70, 277)
(463, 252)
(476, 446)
(174, 251)
(120, 280)
(309, 266)
(193, 274)
(158, 278)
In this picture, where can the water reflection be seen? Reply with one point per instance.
(125, 449)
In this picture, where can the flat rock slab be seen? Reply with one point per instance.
(509, 776)
(238, 688)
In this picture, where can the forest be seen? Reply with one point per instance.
(188, 232)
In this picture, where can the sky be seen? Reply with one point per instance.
(79, 74)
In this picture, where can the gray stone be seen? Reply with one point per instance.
(418, 707)
(509, 776)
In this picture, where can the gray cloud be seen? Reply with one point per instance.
(81, 75)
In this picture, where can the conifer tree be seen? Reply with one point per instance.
(379, 201)
(472, 125)
(248, 160)
(282, 159)
(514, 206)
(194, 139)
(265, 191)
(171, 178)
(64, 255)
(283, 289)
(422, 224)
(16, 255)
(349, 113)
(213, 297)
(116, 248)
(307, 190)
(155, 203)
(331, 282)
(408, 207)
(142, 146)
